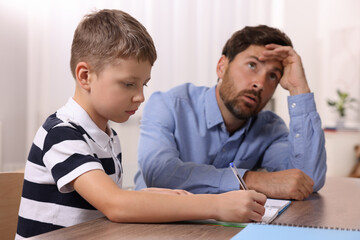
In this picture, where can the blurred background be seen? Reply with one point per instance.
(36, 36)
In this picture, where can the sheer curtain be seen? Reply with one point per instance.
(36, 37)
(339, 35)
(188, 34)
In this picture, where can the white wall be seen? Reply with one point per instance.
(13, 84)
(299, 22)
(339, 36)
(326, 33)
(189, 34)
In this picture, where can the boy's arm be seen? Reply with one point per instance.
(140, 206)
(64, 149)
(166, 191)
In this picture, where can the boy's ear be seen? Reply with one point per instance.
(83, 75)
(221, 66)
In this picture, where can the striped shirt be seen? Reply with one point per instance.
(67, 145)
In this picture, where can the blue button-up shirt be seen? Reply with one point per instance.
(184, 143)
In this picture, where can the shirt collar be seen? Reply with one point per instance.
(80, 117)
(213, 114)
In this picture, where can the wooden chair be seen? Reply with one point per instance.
(10, 194)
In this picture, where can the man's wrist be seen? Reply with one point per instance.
(250, 179)
(299, 90)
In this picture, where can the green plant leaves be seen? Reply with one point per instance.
(342, 103)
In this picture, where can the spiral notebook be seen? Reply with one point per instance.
(265, 231)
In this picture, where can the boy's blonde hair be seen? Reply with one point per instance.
(104, 36)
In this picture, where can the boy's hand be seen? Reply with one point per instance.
(240, 206)
(167, 191)
(293, 78)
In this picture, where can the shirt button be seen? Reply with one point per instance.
(293, 105)
(297, 135)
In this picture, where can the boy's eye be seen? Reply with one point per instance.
(129, 84)
(252, 65)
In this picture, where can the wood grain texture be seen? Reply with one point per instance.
(10, 194)
(335, 206)
(104, 229)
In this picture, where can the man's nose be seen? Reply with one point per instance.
(258, 83)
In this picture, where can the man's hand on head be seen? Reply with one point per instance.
(293, 78)
(286, 184)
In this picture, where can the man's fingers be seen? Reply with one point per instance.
(276, 54)
(308, 189)
(302, 194)
(308, 184)
(267, 58)
(304, 185)
(273, 46)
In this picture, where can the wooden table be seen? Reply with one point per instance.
(335, 206)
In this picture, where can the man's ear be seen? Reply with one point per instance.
(221, 66)
(83, 75)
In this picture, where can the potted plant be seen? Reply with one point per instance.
(343, 103)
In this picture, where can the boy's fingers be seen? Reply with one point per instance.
(259, 198)
(257, 214)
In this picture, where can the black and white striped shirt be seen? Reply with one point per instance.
(67, 145)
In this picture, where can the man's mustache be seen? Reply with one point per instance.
(255, 93)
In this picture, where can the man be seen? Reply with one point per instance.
(190, 134)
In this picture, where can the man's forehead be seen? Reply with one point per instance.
(277, 65)
(255, 51)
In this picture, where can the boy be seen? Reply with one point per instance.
(74, 173)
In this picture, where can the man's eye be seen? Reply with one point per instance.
(273, 77)
(252, 65)
(129, 84)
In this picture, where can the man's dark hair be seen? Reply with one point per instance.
(258, 35)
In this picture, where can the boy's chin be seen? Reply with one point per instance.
(122, 120)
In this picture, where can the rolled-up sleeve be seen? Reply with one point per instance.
(304, 147)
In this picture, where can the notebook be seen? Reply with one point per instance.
(278, 232)
(273, 208)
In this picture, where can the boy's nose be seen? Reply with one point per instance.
(139, 97)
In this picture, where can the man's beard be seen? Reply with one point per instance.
(239, 108)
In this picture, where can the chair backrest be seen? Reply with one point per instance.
(10, 194)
